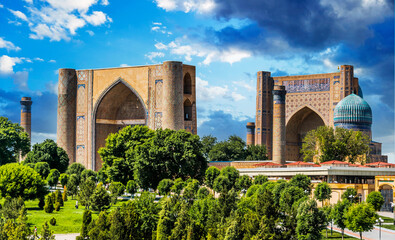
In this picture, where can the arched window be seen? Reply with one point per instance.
(187, 84)
(187, 110)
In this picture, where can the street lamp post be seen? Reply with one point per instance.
(379, 221)
(351, 197)
(393, 210)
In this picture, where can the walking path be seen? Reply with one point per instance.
(69, 236)
(386, 234)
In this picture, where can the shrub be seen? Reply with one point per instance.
(117, 188)
(52, 221)
(48, 208)
(57, 206)
(58, 198)
(164, 186)
(100, 198)
(376, 199)
(41, 203)
(64, 195)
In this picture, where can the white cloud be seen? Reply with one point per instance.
(38, 137)
(91, 33)
(237, 97)
(52, 61)
(8, 45)
(19, 14)
(124, 65)
(52, 87)
(1, 5)
(200, 6)
(208, 52)
(105, 2)
(158, 27)
(245, 85)
(153, 55)
(58, 20)
(28, 1)
(38, 59)
(7, 64)
(206, 92)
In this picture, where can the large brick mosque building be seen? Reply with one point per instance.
(94, 103)
(289, 107)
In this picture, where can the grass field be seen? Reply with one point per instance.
(392, 227)
(335, 235)
(68, 219)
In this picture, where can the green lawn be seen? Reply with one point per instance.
(335, 235)
(68, 219)
(392, 227)
(387, 219)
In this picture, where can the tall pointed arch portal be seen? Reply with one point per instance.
(297, 126)
(118, 107)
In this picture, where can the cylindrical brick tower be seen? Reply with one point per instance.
(279, 124)
(26, 115)
(250, 133)
(67, 94)
(173, 108)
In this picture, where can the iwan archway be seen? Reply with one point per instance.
(297, 126)
(119, 106)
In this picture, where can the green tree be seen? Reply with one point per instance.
(13, 141)
(148, 210)
(64, 178)
(234, 149)
(323, 192)
(87, 188)
(131, 187)
(302, 181)
(100, 227)
(117, 189)
(169, 154)
(17, 180)
(77, 169)
(256, 152)
(86, 220)
(360, 218)
(48, 207)
(339, 214)
(46, 233)
(43, 169)
(202, 193)
(58, 198)
(260, 179)
(164, 186)
(210, 176)
(117, 229)
(13, 208)
(244, 182)
(87, 173)
(310, 221)
(100, 199)
(72, 185)
(222, 184)
(49, 152)
(178, 186)
(191, 189)
(326, 143)
(351, 195)
(376, 199)
(208, 143)
(53, 177)
(232, 174)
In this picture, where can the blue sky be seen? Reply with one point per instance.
(227, 40)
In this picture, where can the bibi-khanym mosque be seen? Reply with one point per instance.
(96, 102)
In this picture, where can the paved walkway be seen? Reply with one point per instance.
(386, 214)
(386, 234)
(69, 236)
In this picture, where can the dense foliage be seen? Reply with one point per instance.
(49, 152)
(148, 156)
(17, 180)
(376, 200)
(326, 144)
(13, 141)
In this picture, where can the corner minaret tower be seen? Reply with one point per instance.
(279, 124)
(26, 115)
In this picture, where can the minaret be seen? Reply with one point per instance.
(67, 94)
(250, 133)
(279, 124)
(26, 114)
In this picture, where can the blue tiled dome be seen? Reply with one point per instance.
(353, 109)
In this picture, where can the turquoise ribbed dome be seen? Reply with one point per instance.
(353, 110)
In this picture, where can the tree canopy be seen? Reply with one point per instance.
(49, 152)
(148, 156)
(17, 180)
(13, 141)
(326, 144)
(231, 150)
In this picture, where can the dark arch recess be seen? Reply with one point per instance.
(187, 84)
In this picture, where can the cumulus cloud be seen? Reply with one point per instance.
(59, 20)
(207, 52)
(8, 45)
(201, 6)
(20, 80)
(158, 27)
(152, 55)
(7, 64)
(206, 92)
